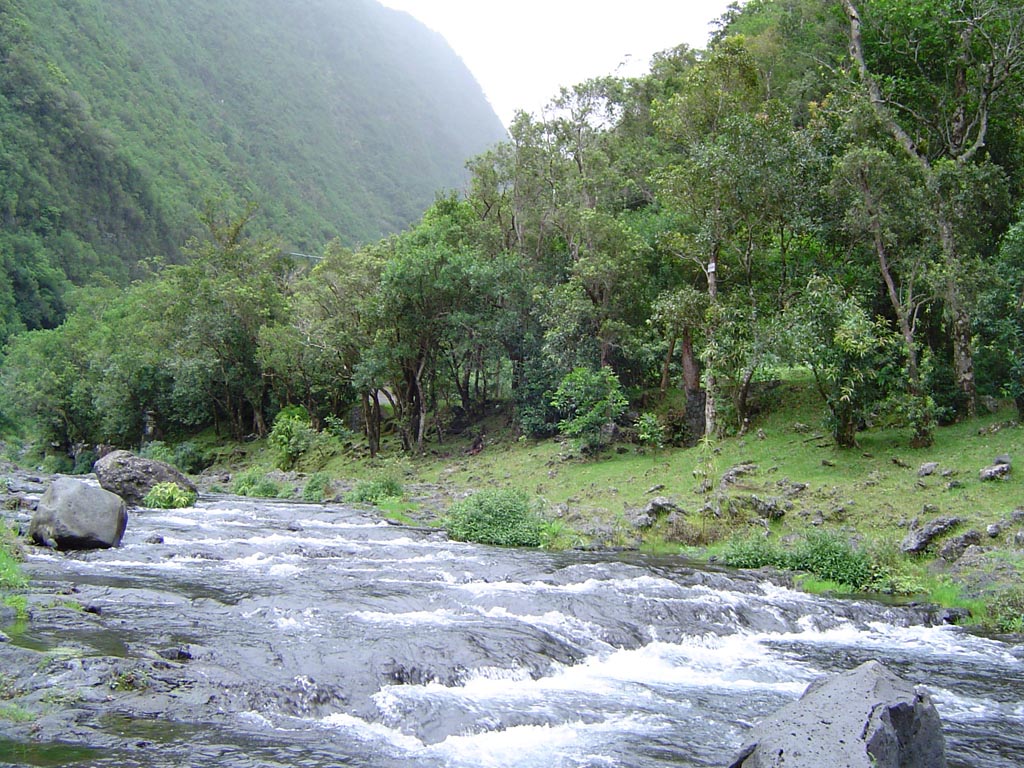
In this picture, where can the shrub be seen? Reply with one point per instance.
(501, 517)
(158, 451)
(753, 552)
(649, 431)
(11, 575)
(375, 491)
(1006, 611)
(188, 457)
(820, 553)
(315, 487)
(169, 496)
(83, 462)
(830, 556)
(590, 402)
(292, 435)
(253, 482)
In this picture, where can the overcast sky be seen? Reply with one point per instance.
(522, 51)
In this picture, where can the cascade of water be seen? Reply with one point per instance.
(270, 633)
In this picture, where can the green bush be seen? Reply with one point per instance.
(169, 496)
(254, 482)
(375, 491)
(189, 457)
(501, 517)
(830, 556)
(11, 575)
(649, 431)
(84, 462)
(825, 555)
(158, 451)
(292, 435)
(590, 402)
(753, 552)
(316, 487)
(1006, 611)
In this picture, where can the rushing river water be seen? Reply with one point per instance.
(253, 633)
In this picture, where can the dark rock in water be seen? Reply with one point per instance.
(131, 477)
(919, 539)
(865, 718)
(953, 615)
(73, 515)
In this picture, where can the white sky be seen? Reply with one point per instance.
(522, 51)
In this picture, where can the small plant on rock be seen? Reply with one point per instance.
(169, 496)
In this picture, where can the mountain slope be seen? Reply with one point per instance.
(120, 118)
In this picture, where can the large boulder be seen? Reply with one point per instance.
(865, 718)
(74, 515)
(131, 477)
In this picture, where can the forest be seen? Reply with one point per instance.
(832, 187)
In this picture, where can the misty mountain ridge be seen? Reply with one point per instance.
(121, 119)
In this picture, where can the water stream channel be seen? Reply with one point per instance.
(256, 633)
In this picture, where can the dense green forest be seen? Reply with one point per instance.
(121, 119)
(834, 187)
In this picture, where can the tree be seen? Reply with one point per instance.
(935, 73)
(846, 351)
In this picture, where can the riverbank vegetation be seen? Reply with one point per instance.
(780, 281)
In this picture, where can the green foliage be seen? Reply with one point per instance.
(590, 402)
(1006, 610)
(169, 496)
(825, 555)
(158, 450)
(502, 518)
(292, 435)
(375, 491)
(315, 487)
(649, 431)
(11, 575)
(255, 482)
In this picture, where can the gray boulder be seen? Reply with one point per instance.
(919, 539)
(74, 515)
(131, 477)
(865, 718)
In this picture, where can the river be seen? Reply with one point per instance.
(266, 633)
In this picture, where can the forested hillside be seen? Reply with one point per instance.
(831, 188)
(121, 119)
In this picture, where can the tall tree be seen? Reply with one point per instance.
(935, 72)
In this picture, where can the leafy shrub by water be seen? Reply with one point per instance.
(1006, 611)
(169, 496)
(11, 575)
(823, 554)
(829, 556)
(501, 517)
(375, 491)
(316, 487)
(253, 482)
(292, 435)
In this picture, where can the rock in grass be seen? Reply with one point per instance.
(919, 539)
(865, 718)
(995, 472)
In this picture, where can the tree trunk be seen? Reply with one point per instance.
(691, 367)
(665, 365)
